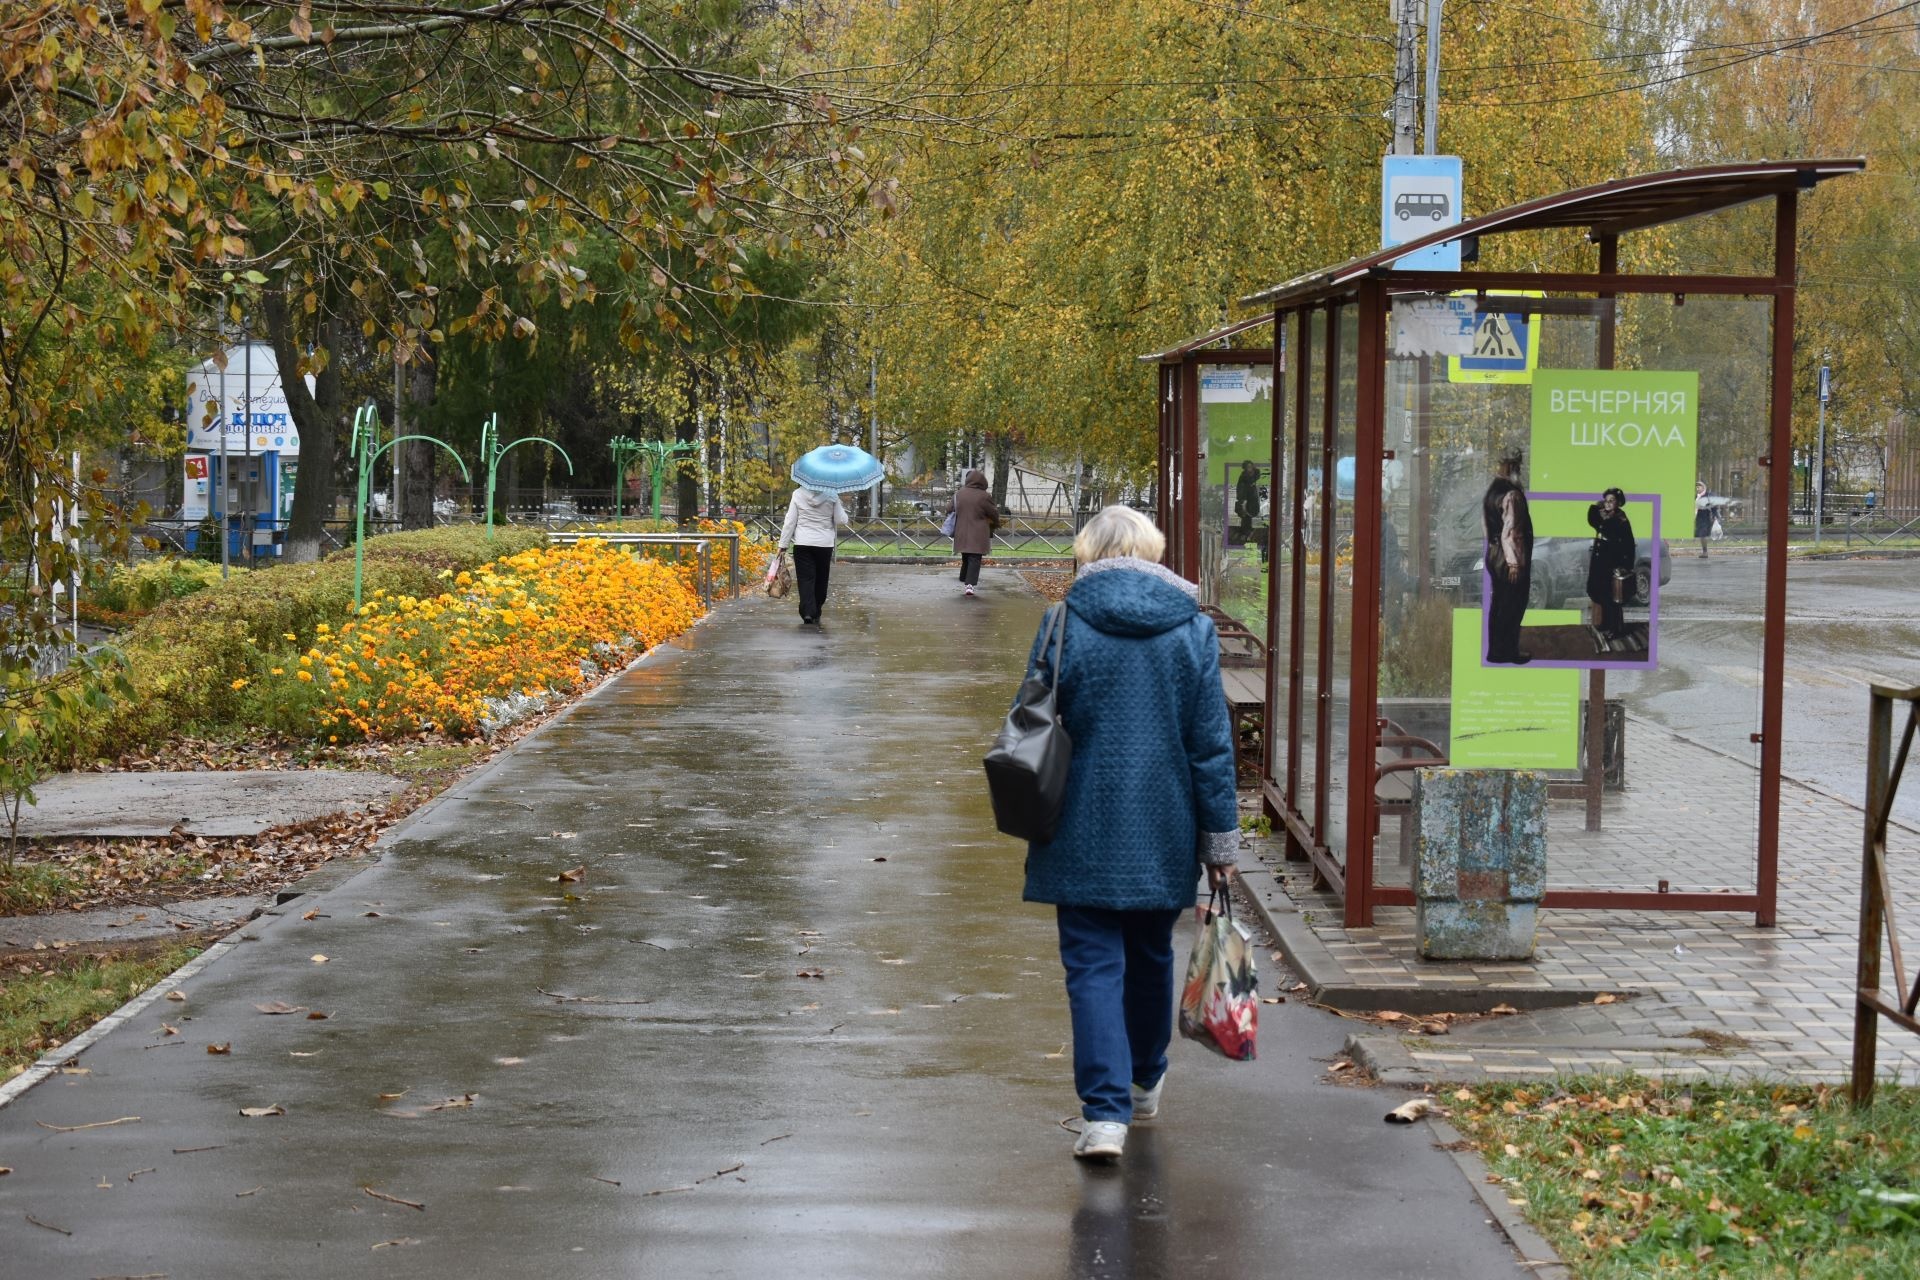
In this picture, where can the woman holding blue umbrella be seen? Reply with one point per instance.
(816, 516)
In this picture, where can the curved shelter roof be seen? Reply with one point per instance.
(1606, 210)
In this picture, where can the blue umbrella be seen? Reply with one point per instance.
(838, 468)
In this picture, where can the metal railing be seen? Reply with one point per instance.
(1877, 526)
(1884, 767)
(920, 535)
(700, 543)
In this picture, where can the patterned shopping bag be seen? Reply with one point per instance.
(1218, 1004)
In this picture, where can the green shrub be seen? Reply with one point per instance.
(144, 586)
(187, 655)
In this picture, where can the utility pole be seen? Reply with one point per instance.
(1433, 77)
(226, 426)
(1406, 91)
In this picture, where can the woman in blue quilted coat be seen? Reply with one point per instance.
(1150, 801)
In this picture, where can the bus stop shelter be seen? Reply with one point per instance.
(1407, 407)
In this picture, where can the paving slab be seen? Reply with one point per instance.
(1710, 993)
(211, 803)
(724, 973)
(117, 926)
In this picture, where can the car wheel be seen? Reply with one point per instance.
(1540, 593)
(1642, 582)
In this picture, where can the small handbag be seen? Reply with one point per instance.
(780, 581)
(1027, 768)
(946, 526)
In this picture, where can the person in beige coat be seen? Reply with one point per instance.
(974, 520)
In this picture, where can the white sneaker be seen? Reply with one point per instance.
(1100, 1140)
(969, 589)
(1146, 1102)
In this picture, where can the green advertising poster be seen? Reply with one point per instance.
(1507, 717)
(1631, 429)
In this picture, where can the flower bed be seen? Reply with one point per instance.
(547, 620)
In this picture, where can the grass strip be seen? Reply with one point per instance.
(1631, 1179)
(44, 1006)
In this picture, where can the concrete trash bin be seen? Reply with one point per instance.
(1480, 862)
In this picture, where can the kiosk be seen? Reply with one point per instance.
(248, 484)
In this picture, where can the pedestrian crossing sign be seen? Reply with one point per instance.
(1505, 344)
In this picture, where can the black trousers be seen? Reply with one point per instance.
(811, 568)
(1503, 620)
(1613, 616)
(970, 568)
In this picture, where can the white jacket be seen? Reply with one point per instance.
(814, 519)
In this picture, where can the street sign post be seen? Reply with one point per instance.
(1418, 195)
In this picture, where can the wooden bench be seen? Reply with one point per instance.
(1243, 678)
(1396, 755)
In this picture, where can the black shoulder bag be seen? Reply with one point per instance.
(1027, 768)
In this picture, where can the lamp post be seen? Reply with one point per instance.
(656, 453)
(491, 451)
(366, 449)
(624, 451)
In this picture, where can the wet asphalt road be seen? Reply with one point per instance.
(657, 1092)
(1849, 622)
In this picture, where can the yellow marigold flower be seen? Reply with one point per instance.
(288, 635)
(241, 683)
(306, 676)
(278, 672)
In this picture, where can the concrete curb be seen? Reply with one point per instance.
(1536, 1254)
(50, 1061)
(1316, 966)
(326, 878)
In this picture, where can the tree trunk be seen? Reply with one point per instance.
(316, 416)
(416, 498)
(686, 491)
(1001, 445)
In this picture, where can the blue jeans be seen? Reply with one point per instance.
(1120, 990)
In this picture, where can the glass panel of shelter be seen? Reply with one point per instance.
(1670, 644)
(1308, 450)
(1236, 441)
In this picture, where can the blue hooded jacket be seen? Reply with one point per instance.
(1150, 794)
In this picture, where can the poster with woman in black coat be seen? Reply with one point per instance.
(1610, 564)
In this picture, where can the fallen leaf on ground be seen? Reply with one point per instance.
(225, 1048)
(571, 877)
(317, 1016)
(400, 1243)
(1605, 997)
(1503, 1009)
(389, 1097)
(176, 995)
(1273, 1000)
(255, 1112)
(1390, 1015)
(1342, 1065)
(169, 1030)
(1410, 1110)
(251, 1191)
(450, 1104)
(509, 1062)
(809, 973)
(279, 1006)
(5, 1170)
(316, 914)
(318, 959)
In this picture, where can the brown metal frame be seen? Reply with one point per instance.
(1369, 284)
(1876, 892)
(1177, 466)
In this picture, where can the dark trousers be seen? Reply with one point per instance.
(1503, 620)
(1613, 616)
(970, 568)
(811, 567)
(1120, 993)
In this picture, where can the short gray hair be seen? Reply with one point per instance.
(1118, 531)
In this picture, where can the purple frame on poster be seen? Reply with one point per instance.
(1652, 656)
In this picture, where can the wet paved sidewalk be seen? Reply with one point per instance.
(724, 974)
(1713, 994)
